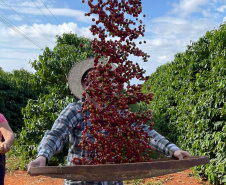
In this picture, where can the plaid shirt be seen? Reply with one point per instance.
(65, 127)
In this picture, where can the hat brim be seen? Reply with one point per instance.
(76, 73)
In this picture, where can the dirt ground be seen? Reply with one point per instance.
(181, 178)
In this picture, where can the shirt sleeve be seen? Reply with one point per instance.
(55, 139)
(160, 143)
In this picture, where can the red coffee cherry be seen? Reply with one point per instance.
(117, 139)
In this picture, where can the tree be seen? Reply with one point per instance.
(52, 69)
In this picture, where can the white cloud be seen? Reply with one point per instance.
(186, 7)
(28, 7)
(189, 29)
(162, 57)
(168, 36)
(17, 51)
(16, 58)
(46, 32)
(15, 17)
(170, 20)
(80, 31)
(77, 14)
(30, 3)
(221, 9)
(224, 19)
(206, 13)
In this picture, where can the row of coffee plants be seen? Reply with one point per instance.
(189, 101)
(16, 88)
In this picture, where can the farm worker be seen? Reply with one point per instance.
(9, 138)
(66, 126)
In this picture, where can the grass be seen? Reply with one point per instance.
(12, 162)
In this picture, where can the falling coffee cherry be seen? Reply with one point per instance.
(78, 126)
(116, 140)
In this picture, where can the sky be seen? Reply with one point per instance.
(28, 26)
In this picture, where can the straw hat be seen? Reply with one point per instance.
(76, 73)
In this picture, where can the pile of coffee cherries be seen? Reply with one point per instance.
(118, 133)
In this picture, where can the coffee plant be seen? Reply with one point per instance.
(16, 88)
(189, 101)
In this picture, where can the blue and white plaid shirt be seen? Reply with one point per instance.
(65, 127)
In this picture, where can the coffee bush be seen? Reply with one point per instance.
(189, 105)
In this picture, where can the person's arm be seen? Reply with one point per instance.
(8, 136)
(161, 144)
(54, 139)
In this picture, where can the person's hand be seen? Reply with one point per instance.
(4, 147)
(179, 154)
(40, 161)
